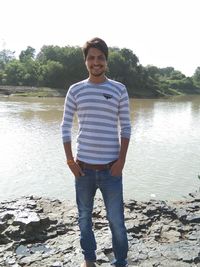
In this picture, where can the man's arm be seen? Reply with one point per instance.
(66, 126)
(125, 125)
(68, 151)
(74, 167)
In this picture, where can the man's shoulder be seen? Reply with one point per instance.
(117, 85)
(78, 85)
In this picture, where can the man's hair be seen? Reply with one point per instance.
(95, 43)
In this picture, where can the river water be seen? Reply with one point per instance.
(163, 160)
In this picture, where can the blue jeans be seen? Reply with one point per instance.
(112, 192)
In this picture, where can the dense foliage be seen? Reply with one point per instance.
(59, 67)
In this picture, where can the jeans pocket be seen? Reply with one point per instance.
(78, 178)
(81, 177)
(115, 176)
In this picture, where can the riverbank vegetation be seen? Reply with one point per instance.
(58, 67)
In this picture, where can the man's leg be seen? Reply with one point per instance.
(85, 192)
(112, 191)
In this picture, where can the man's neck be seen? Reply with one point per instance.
(94, 79)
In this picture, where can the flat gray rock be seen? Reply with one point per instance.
(40, 232)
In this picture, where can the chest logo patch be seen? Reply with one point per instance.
(107, 96)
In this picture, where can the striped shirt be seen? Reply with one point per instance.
(103, 116)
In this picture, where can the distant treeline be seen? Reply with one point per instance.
(59, 67)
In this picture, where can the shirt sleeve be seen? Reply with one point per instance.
(68, 115)
(124, 115)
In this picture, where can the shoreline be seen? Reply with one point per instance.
(30, 91)
(43, 232)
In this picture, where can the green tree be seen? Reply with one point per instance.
(27, 54)
(74, 65)
(50, 52)
(116, 65)
(152, 71)
(196, 76)
(5, 57)
(70, 60)
(123, 66)
(14, 72)
(32, 72)
(52, 73)
(59, 67)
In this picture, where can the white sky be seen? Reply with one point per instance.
(163, 33)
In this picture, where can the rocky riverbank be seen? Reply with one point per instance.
(39, 232)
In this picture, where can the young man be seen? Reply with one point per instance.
(101, 104)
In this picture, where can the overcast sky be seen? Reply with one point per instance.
(160, 32)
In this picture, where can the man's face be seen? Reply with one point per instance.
(96, 62)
